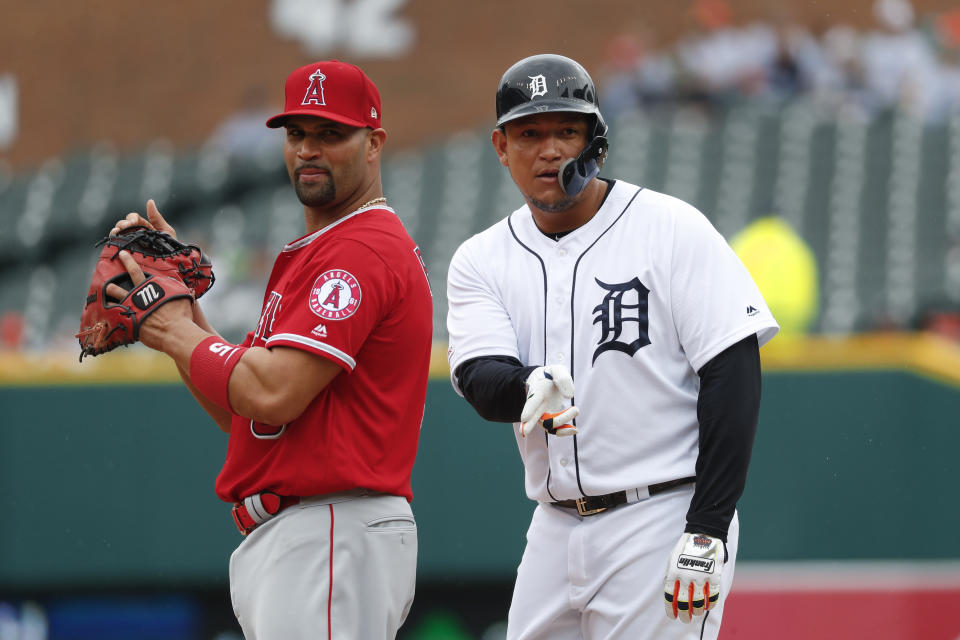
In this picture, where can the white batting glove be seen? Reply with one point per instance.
(548, 388)
(692, 585)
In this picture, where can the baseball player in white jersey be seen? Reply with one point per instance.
(620, 334)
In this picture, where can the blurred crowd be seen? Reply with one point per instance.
(905, 60)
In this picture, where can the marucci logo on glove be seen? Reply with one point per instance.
(149, 294)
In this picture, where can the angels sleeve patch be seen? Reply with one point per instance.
(335, 295)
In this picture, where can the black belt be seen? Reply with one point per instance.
(591, 505)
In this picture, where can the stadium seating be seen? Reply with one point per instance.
(878, 202)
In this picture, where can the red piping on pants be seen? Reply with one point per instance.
(330, 596)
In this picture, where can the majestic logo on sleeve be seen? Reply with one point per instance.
(314, 94)
(622, 315)
(335, 295)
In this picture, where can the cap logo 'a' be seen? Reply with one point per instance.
(537, 86)
(314, 94)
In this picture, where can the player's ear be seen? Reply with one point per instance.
(376, 138)
(499, 140)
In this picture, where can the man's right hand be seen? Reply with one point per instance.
(153, 330)
(548, 388)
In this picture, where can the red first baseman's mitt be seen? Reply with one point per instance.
(107, 323)
(162, 254)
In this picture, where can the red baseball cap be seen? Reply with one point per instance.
(334, 90)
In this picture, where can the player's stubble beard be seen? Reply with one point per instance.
(317, 195)
(563, 203)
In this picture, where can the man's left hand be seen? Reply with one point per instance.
(692, 584)
(115, 315)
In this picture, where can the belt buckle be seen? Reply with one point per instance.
(583, 511)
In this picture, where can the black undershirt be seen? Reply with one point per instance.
(495, 386)
(727, 409)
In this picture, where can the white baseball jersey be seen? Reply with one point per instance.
(634, 303)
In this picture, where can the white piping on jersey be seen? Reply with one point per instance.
(302, 242)
(315, 344)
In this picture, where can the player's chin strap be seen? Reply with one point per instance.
(576, 173)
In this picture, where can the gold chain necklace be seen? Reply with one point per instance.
(374, 201)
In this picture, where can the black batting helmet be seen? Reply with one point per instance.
(548, 83)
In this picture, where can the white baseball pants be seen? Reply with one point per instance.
(601, 577)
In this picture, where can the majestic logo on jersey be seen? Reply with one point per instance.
(537, 86)
(320, 330)
(622, 315)
(268, 315)
(752, 310)
(335, 295)
(314, 94)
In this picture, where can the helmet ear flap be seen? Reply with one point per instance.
(576, 173)
(600, 126)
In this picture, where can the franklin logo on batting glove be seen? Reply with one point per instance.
(692, 584)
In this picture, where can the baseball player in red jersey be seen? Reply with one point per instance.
(323, 400)
(620, 334)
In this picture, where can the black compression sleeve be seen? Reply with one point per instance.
(727, 409)
(495, 386)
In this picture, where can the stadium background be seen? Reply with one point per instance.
(847, 210)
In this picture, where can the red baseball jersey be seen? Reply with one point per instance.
(355, 292)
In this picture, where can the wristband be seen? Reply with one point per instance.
(211, 364)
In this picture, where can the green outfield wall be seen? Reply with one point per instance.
(108, 485)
